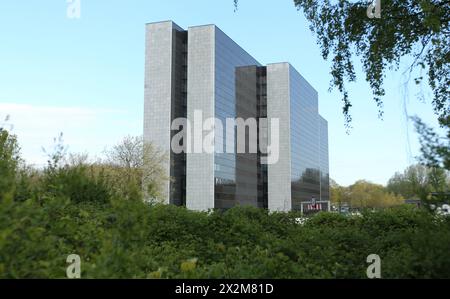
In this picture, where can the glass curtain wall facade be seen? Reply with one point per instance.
(178, 109)
(202, 69)
(324, 161)
(235, 175)
(261, 99)
(305, 167)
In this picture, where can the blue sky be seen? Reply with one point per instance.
(85, 77)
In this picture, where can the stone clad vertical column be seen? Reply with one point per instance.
(158, 94)
(200, 97)
(278, 106)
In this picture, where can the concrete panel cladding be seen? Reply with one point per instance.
(200, 98)
(159, 97)
(278, 106)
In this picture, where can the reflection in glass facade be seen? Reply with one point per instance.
(305, 168)
(235, 175)
(261, 99)
(179, 92)
(208, 71)
(324, 163)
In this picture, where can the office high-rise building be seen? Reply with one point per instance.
(202, 70)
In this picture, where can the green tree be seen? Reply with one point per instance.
(364, 194)
(338, 194)
(137, 167)
(435, 149)
(418, 182)
(72, 177)
(415, 28)
(9, 163)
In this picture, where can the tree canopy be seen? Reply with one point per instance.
(137, 167)
(435, 148)
(416, 28)
(364, 194)
(419, 181)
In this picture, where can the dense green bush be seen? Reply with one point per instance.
(132, 239)
(75, 208)
(79, 183)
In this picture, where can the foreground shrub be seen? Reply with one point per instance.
(132, 239)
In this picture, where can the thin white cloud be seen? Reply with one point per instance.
(84, 129)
